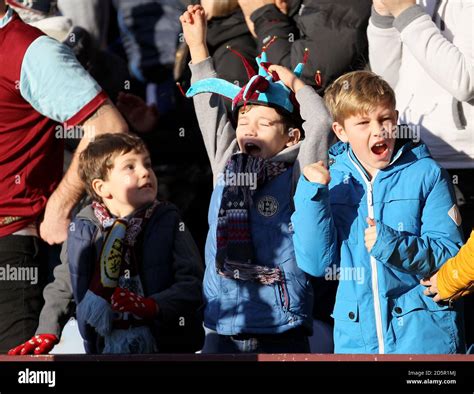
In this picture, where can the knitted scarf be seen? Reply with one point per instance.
(235, 254)
(117, 266)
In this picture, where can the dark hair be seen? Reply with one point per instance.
(97, 159)
(290, 120)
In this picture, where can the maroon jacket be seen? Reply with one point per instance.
(31, 158)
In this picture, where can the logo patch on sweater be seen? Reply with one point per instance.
(455, 215)
(267, 206)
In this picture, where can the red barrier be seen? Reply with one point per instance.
(244, 357)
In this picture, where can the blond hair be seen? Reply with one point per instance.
(357, 92)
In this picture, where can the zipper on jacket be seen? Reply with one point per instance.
(373, 262)
(375, 279)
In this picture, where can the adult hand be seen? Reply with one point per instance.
(317, 173)
(142, 117)
(287, 77)
(39, 344)
(250, 6)
(380, 8)
(53, 228)
(396, 7)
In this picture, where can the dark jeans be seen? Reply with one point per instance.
(294, 341)
(22, 279)
(464, 180)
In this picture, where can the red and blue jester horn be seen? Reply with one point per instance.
(264, 88)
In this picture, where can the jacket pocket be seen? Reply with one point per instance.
(421, 325)
(403, 214)
(347, 330)
(295, 290)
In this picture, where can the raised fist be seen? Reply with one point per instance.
(317, 173)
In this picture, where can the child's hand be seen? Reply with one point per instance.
(142, 117)
(317, 173)
(39, 344)
(370, 234)
(123, 300)
(287, 77)
(194, 25)
(431, 287)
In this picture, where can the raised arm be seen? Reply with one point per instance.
(269, 18)
(385, 45)
(315, 236)
(438, 56)
(217, 131)
(316, 121)
(451, 64)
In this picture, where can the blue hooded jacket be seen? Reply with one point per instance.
(380, 306)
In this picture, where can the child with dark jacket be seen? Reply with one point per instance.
(135, 272)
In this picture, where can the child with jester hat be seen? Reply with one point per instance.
(132, 267)
(384, 208)
(257, 299)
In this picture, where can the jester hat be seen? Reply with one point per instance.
(264, 88)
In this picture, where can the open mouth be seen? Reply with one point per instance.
(146, 186)
(379, 148)
(252, 149)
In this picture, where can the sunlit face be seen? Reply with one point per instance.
(371, 136)
(261, 132)
(131, 184)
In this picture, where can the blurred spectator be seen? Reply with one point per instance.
(226, 28)
(109, 70)
(92, 15)
(150, 33)
(44, 15)
(334, 32)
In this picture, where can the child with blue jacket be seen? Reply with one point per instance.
(256, 298)
(385, 209)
